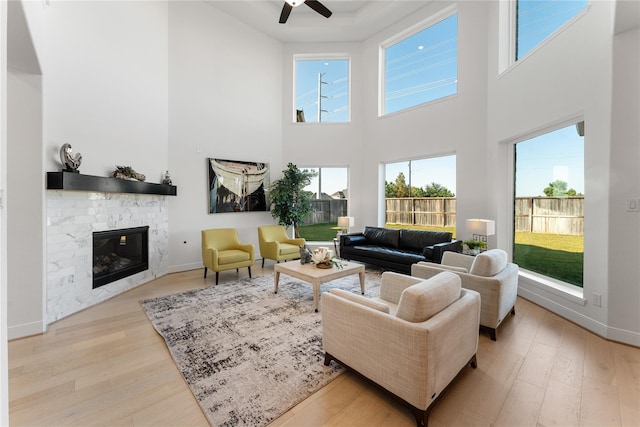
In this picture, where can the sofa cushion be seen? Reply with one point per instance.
(421, 301)
(385, 253)
(417, 240)
(382, 236)
(359, 299)
(489, 263)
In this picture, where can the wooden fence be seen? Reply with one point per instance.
(427, 211)
(553, 215)
(325, 211)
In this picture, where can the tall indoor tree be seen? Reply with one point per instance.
(290, 203)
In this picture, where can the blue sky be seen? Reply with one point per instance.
(423, 67)
(333, 179)
(441, 170)
(538, 19)
(557, 155)
(335, 73)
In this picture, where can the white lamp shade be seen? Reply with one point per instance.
(345, 221)
(482, 227)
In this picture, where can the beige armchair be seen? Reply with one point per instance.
(276, 245)
(489, 274)
(222, 250)
(412, 341)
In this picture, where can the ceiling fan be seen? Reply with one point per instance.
(313, 4)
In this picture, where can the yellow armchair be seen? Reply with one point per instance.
(276, 245)
(222, 250)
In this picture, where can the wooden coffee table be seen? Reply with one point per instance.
(316, 276)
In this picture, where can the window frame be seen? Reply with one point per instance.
(557, 287)
(508, 34)
(436, 18)
(320, 57)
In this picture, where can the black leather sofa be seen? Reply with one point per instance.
(396, 249)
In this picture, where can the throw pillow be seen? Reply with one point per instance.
(420, 302)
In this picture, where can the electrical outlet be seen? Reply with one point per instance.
(597, 299)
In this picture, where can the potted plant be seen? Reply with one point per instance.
(290, 204)
(475, 246)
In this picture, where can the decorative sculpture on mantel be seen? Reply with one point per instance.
(70, 161)
(127, 172)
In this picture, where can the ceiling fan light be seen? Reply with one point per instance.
(294, 3)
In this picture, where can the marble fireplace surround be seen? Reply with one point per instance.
(72, 217)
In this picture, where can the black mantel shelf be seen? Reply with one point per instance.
(100, 184)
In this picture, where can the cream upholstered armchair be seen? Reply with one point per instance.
(489, 274)
(276, 245)
(222, 250)
(413, 340)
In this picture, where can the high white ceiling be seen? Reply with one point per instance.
(351, 20)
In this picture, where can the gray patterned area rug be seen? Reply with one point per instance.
(247, 354)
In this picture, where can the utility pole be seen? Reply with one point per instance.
(410, 178)
(320, 96)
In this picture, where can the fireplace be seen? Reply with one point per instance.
(119, 253)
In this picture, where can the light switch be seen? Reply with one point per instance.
(633, 205)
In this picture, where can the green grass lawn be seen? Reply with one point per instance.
(318, 232)
(554, 255)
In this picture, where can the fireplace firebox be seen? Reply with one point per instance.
(119, 253)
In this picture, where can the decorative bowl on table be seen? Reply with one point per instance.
(321, 257)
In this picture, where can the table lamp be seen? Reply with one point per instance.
(481, 228)
(344, 222)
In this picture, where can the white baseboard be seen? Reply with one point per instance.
(25, 330)
(184, 267)
(598, 328)
(623, 336)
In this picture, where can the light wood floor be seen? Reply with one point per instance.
(107, 366)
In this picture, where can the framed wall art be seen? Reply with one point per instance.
(237, 186)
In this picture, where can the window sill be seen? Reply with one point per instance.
(568, 292)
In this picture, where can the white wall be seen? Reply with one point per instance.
(4, 362)
(624, 227)
(454, 125)
(106, 85)
(326, 144)
(225, 97)
(24, 205)
(24, 190)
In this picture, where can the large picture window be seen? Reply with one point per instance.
(549, 204)
(538, 19)
(330, 193)
(420, 194)
(322, 90)
(422, 67)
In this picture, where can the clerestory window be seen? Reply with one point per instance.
(420, 67)
(536, 20)
(321, 89)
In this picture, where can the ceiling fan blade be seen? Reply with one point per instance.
(286, 10)
(318, 7)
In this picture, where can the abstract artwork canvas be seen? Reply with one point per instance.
(237, 186)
